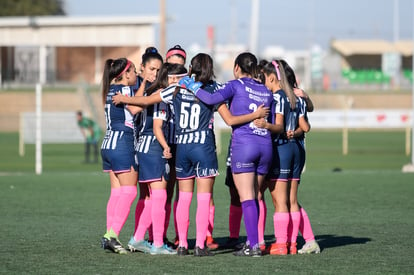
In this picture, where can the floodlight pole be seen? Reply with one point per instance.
(163, 26)
(254, 29)
(410, 167)
(38, 164)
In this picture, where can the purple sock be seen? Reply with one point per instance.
(251, 220)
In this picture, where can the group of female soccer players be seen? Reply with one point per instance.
(160, 130)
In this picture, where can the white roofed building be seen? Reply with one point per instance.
(60, 49)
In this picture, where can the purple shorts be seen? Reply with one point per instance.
(247, 158)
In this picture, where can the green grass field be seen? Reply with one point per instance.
(359, 205)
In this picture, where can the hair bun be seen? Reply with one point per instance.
(151, 50)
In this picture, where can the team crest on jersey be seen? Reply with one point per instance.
(126, 91)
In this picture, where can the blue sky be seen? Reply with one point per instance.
(292, 24)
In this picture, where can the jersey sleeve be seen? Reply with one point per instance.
(278, 103)
(302, 110)
(219, 96)
(160, 111)
(167, 94)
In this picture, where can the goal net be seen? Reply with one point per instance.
(56, 127)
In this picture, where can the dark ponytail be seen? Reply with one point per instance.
(113, 69)
(248, 64)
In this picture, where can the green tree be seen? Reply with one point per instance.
(32, 7)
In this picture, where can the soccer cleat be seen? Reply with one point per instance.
(176, 241)
(114, 245)
(104, 243)
(200, 252)
(142, 246)
(170, 244)
(182, 251)
(262, 247)
(211, 244)
(162, 250)
(248, 251)
(278, 249)
(233, 243)
(292, 248)
(310, 247)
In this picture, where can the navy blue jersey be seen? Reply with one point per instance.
(145, 134)
(194, 119)
(305, 114)
(138, 119)
(290, 116)
(117, 148)
(118, 117)
(167, 96)
(165, 112)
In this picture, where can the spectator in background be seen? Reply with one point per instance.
(92, 133)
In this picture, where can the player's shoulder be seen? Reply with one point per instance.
(168, 90)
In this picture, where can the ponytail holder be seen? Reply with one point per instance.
(124, 70)
(277, 69)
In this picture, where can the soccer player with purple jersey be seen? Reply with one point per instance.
(117, 150)
(250, 147)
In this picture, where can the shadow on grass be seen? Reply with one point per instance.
(329, 241)
(324, 241)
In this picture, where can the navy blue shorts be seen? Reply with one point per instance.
(117, 152)
(288, 161)
(152, 164)
(196, 160)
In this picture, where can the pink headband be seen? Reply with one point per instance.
(124, 70)
(277, 69)
(176, 51)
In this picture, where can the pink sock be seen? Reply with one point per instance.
(175, 218)
(158, 197)
(281, 223)
(211, 220)
(123, 207)
(110, 207)
(235, 216)
(144, 221)
(262, 220)
(293, 228)
(183, 216)
(138, 211)
(305, 227)
(202, 217)
(167, 219)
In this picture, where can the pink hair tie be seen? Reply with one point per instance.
(176, 51)
(124, 70)
(277, 69)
